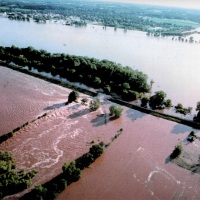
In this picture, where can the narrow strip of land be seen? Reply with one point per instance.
(118, 101)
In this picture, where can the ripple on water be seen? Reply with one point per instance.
(48, 142)
(23, 98)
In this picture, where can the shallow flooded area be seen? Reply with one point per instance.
(135, 166)
(23, 98)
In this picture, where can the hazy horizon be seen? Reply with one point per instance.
(194, 4)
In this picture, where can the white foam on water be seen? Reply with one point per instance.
(140, 149)
(151, 175)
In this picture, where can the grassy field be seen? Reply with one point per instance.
(176, 22)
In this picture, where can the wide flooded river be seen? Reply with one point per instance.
(173, 65)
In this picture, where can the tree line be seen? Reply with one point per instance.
(118, 15)
(112, 77)
(71, 172)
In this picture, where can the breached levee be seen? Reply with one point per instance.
(63, 134)
(59, 137)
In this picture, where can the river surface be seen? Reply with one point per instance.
(173, 65)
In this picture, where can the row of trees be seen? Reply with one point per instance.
(115, 111)
(70, 173)
(105, 74)
(159, 101)
(113, 78)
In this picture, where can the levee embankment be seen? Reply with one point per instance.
(118, 101)
(156, 113)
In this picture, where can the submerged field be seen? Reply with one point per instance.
(135, 166)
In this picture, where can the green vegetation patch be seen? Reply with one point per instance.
(177, 22)
(70, 173)
(111, 76)
(187, 156)
(11, 180)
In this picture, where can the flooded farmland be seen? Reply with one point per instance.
(135, 166)
(23, 98)
(64, 134)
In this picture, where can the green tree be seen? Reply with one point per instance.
(107, 89)
(94, 104)
(198, 106)
(197, 117)
(96, 150)
(97, 81)
(84, 161)
(126, 86)
(168, 103)
(157, 100)
(115, 111)
(71, 172)
(73, 96)
(12, 180)
(84, 101)
(40, 191)
(180, 109)
(144, 101)
(179, 106)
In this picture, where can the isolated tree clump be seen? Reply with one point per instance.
(168, 103)
(176, 152)
(73, 96)
(192, 137)
(116, 111)
(180, 109)
(144, 101)
(157, 100)
(94, 104)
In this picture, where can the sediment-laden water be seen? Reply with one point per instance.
(135, 166)
(23, 98)
(173, 65)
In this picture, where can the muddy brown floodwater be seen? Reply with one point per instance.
(135, 166)
(64, 134)
(24, 97)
